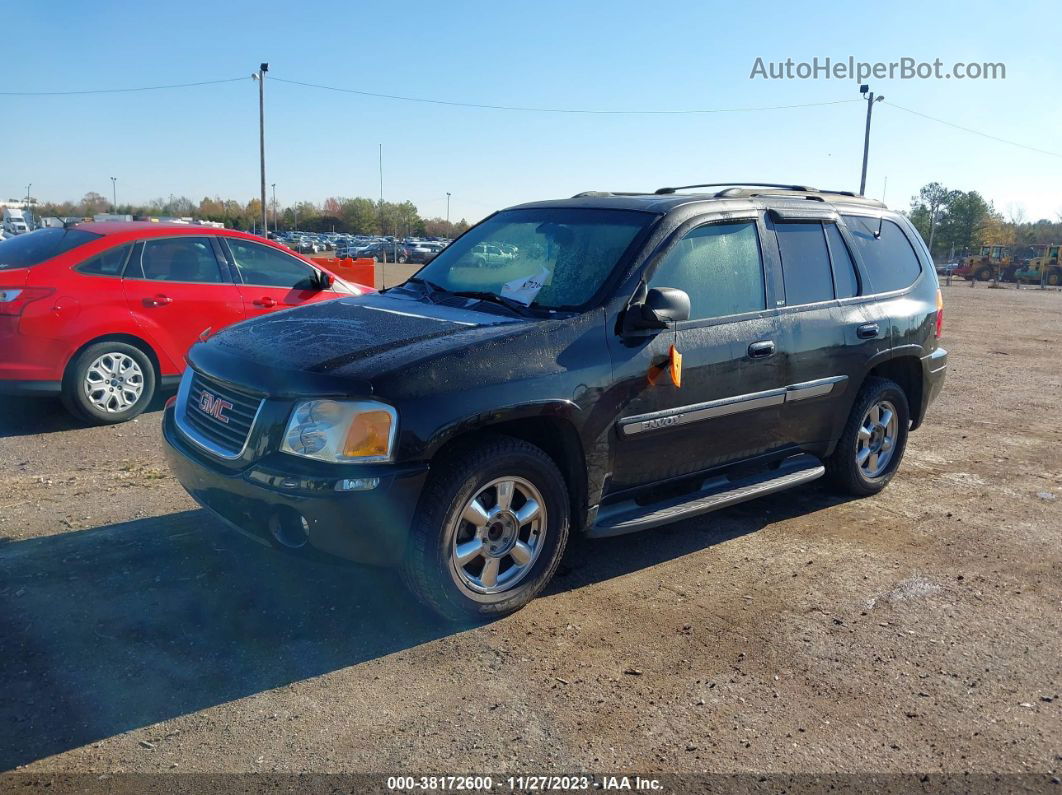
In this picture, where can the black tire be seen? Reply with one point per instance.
(77, 401)
(841, 467)
(983, 275)
(401, 260)
(455, 480)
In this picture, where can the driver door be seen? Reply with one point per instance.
(269, 279)
(724, 409)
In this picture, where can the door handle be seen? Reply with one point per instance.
(867, 331)
(158, 300)
(266, 302)
(761, 349)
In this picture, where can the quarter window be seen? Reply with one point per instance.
(110, 263)
(265, 266)
(805, 263)
(890, 261)
(844, 275)
(720, 267)
(178, 259)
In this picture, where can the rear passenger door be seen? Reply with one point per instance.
(269, 279)
(175, 287)
(810, 333)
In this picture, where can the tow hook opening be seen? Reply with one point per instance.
(289, 528)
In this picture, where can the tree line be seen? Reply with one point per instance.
(955, 223)
(357, 216)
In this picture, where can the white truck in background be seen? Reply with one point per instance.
(14, 221)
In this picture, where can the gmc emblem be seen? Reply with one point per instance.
(214, 406)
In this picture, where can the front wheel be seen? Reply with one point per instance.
(873, 441)
(490, 530)
(108, 383)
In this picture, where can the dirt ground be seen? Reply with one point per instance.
(919, 630)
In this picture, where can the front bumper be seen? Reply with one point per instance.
(304, 510)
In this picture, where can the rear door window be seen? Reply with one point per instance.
(110, 263)
(805, 263)
(33, 248)
(890, 261)
(845, 280)
(178, 259)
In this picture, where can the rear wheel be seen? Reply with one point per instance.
(874, 439)
(983, 275)
(490, 530)
(1054, 277)
(108, 383)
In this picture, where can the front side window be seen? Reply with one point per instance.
(265, 266)
(719, 267)
(555, 258)
(805, 263)
(891, 263)
(178, 259)
(110, 263)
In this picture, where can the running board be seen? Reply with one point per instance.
(715, 493)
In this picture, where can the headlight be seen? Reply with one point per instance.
(339, 431)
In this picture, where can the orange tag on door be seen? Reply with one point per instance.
(676, 366)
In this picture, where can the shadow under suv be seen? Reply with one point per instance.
(642, 358)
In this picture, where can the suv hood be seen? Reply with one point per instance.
(343, 346)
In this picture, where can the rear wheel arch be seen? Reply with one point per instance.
(906, 372)
(128, 339)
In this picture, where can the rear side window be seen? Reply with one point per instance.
(844, 275)
(110, 263)
(719, 267)
(177, 259)
(805, 263)
(890, 262)
(33, 248)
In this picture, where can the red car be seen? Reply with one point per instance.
(102, 314)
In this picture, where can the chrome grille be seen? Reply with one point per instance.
(219, 416)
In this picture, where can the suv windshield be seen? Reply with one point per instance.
(556, 258)
(34, 248)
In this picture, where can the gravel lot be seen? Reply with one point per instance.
(920, 630)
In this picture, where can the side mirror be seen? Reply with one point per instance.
(325, 280)
(662, 306)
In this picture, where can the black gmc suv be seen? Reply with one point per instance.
(634, 359)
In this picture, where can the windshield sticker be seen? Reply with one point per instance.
(526, 288)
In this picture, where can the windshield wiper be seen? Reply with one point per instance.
(483, 295)
(431, 287)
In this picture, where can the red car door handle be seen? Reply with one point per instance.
(266, 302)
(158, 300)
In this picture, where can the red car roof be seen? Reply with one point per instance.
(120, 227)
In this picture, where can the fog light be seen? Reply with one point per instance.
(357, 484)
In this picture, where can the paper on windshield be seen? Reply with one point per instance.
(526, 288)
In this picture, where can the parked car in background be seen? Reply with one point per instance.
(102, 314)
(385, 251)
(423, 253)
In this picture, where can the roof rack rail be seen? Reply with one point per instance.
(663, 191)
(592, 193)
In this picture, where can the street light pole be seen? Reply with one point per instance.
(275, 227)
(260, 77)
(447, 211)
(870, 100)
(114, 193)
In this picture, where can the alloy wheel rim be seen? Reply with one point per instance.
(114, 382)
(876, 440)
(498, 536)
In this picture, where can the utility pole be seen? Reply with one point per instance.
(381, 175)
(275, 227)
(870, 100)
(114, 193)
(447, 211)
(260, 77)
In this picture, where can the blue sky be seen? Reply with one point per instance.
(601, 55)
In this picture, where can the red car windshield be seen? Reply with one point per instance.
(33, 248)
